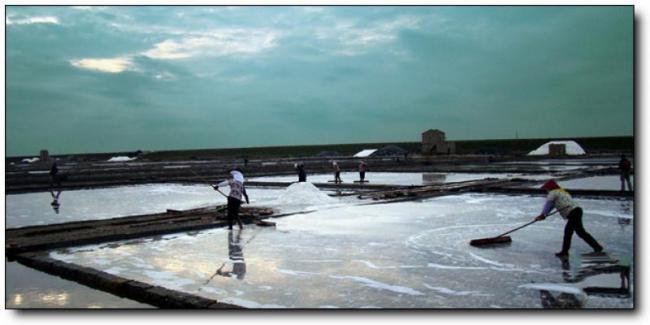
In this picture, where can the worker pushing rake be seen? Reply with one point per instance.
(237, 190)
(561, 200)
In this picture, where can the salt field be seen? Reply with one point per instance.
(396, 255)
(405, 179)
(35, 208)
(606, 182)
(609, 182)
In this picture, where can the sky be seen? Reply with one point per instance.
(106, 79)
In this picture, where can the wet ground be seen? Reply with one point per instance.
(608, 182)
(36, 209)
(399, 255)
(339, 253)
(29, 288)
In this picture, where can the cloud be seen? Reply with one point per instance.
(313, 9)
(221, 42)
(110, 65)
(352, 40)
(89, 8)
(32, 20)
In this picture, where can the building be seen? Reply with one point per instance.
(44, 156)
(434, 143)
(557, 150)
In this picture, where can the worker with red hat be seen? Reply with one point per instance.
(560, 199)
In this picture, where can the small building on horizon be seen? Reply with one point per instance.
(435, 143)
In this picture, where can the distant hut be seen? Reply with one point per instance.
(434, 142)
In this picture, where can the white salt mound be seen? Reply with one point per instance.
(31, 160)
(304, 193)
(572, 148)
(121, 158)
(365, 153)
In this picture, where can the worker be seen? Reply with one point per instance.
(362, 170)
(302, 175)
(237, 189)
(561, 200)
(625, 167)
(337, 173)
(54, 175)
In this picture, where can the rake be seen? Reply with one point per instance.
(502, 239)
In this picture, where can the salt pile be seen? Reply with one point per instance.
(30, 160)
(121, 158)
(572, 148)
(304, 193)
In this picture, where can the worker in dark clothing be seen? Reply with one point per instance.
(54, 175)
(561, 200)
(237, 190)
(302, 175)
(362, 171)
(337, 173)
(625, 167)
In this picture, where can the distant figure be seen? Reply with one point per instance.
(236, 256)
(560, 199)
(54, 175)
(302, 175)
(245, 161)
(362, 171)
(55, 202)
(237, 189)
(626, 167)
(337, 173)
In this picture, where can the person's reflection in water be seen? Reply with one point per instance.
(236, 256)
(55, 200)
(625, 209)
(593, 265)
(562, 301)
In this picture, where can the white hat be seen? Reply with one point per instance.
(238, 176)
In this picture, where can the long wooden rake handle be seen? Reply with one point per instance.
(528, 224)
(208, 183)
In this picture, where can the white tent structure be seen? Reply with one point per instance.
(572, 148)
(365, 153)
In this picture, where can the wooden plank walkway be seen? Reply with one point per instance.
(52, 236)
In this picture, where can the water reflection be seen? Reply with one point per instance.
(433, 178)
(55, 200)
(626, 209)
(235, 258)
(563, 300)
(592, 265)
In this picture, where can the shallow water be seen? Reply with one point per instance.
(28, 288)
(94, 204)
(398, 255)
(405, 179)
(610, 182)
